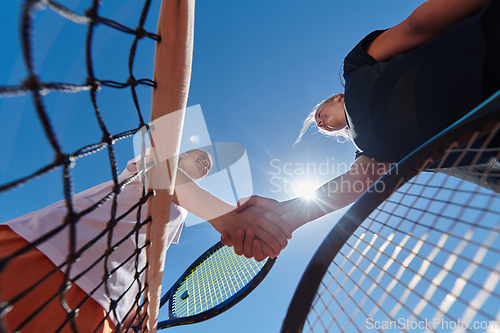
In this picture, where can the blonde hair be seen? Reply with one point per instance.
(343, 133)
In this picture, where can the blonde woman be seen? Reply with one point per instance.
(403, 85)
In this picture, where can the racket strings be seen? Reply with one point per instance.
(427, 259)
(67, 160)
(208, 291)
(368, 292)
(450, 234)
(423, 240)
(325, 307)
(420, 274)
(214, 281)
(433, 284)
(342, 315)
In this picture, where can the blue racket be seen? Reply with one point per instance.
(215, 282)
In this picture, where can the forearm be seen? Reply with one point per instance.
(335, 194)
(330, 197)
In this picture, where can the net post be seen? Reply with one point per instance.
(172, 74)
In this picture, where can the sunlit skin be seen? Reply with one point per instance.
(330, 116)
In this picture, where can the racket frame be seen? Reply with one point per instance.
(218, 309)
(482, 120)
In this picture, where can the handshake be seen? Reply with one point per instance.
(259, 227)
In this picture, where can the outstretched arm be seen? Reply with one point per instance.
(224, 219)
(426, 22)
(334, 195)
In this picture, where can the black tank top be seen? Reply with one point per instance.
(394, 106)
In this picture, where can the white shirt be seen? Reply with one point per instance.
(33, 225)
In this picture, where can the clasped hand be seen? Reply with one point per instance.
(258, 229)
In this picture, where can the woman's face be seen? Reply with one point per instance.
(330, 116)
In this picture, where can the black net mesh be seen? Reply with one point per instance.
(38, 89)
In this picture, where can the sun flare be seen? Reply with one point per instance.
(305, 189)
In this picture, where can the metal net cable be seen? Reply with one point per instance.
(34, 86)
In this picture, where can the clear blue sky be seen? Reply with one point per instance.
(259, 67)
